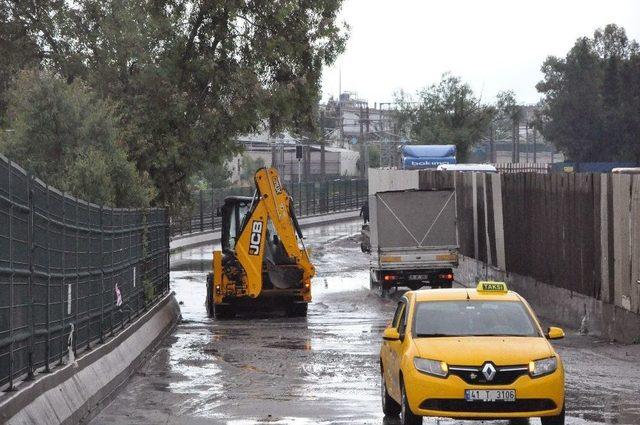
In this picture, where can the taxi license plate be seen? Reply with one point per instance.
(490, 395)
(419, 276)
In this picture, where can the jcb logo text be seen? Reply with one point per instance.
(256, 238)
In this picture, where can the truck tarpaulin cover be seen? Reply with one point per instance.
(416, 219)
(427, 156)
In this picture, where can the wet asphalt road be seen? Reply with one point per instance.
(323, 369)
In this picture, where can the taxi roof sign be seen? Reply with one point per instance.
(492, 287)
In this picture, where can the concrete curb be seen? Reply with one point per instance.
(561, 306)
(75, 393)
(203, 238)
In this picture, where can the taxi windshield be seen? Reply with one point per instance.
(472, 318)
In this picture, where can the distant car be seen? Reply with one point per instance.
(480, 168)
(626, 170)
(470, 354)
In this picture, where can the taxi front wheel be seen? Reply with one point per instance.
(406, 415)
(553, 420)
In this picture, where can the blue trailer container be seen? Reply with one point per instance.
(419, 157)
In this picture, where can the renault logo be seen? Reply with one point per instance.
(489, 371)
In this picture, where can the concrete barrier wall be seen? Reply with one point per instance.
(558, 305)
(76, 392)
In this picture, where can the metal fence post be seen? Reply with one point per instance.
(76, 325)
(327, 205)
(216, 203)
(120, 275)
(64, 281)
(306, 195)
(100, 330)
(30, 247)
(111, 303)
(47, 351)
(201, 212)
(11, 278)
(333, 194)
(357, 193)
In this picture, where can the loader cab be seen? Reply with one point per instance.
(233, 212)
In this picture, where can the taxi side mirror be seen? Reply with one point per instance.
(554, 333)
(391, 334)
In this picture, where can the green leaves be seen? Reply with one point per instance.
(592, 98)
(188, 77)
(68, 136)
(447, 113)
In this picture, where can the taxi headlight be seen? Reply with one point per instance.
(543, 367)
(431, 367)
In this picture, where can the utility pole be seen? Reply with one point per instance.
(393, 161)
(366, 146)
(339, 118)
(526, 140)
(308, 173)
(534, 145)
(300, 158)
(323, 172)
(281, 162)
(515, 136)
(518, 141)
(274, 156)
(492, 148)
(362, 172)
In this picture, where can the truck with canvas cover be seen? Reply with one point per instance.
(413, 237)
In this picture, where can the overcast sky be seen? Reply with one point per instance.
(492, 44)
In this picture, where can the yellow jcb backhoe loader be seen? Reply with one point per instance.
(263, 261)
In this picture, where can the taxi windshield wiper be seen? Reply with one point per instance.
(432, 335)
(499, 335)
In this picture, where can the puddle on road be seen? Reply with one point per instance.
(318, 370)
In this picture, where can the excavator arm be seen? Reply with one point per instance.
(272, 204)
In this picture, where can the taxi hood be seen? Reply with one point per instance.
(474, 351)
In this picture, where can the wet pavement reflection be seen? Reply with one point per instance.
(322, 369)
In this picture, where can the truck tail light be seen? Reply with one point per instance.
(446, 276)
(389, 277)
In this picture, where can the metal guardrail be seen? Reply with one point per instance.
(71, 273)
(309, 199)
(522, 167)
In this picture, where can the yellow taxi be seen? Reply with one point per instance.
(470, 353)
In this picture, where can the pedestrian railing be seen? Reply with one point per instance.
(522, 167)
(309, 198)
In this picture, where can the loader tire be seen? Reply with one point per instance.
(297, 309)
(222, 312)
(209, 301)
